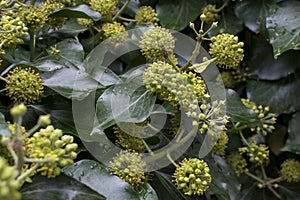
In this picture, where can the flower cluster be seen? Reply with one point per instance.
(157, 44)
(258, 154)
(226, 50)
(85, 22)
(47, 8)
(146, 15)
(130, 167)
(51, 146)
(24, 85)
(221, 145)
(210, 12)
(290, 170)
(115, 33)
(237, 162)
(267, 119)
(33, 17)
(107, 8)
(192, 176)
(8, 185)
(127, 141)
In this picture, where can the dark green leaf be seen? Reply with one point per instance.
(283, 96)
(177, 14)
(17, 55)
(4, 131)
(95, 176)
(237, 111)
(70, 29)
(289, 191)
(293, 140)
(60, 188)
(225, 184)
(130, 101)
(81, 11)
(284, 27)
(263, 64)
(229, 23)
(254, 12)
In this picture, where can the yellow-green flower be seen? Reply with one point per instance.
(130, 167)
(24, 85)
(237, 162)
(129, 142)
(146, 15)
(226, 50)
(115, 33)
(290, 170)
(210, 12)
(107, 8)
(192, 176)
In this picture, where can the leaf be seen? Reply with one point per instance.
(4, 131)
(81, 11)
(293, 141)
(283, 96)
(95, 176)
(177, 14)
(60, 188)
(127, 102)
(225, 184)
(254, 12)
(229, 22)
(263, 64)
(237, 111)
(70, 29)
(284, 27)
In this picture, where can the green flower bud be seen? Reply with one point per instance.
(45, 119)
(237, 162)
(210, 12)
(24, 85)
(85, 22)
(107, 8)
(192, 183)
(221, 144)
(226, 50)
(18, 110)
(131, 169)
(146, 15)
(115, 33)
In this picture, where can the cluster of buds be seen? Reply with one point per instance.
(157, 44)
(210, 12)
(290, 170)
(226, 79)
(107, 8)
(226, 50)
(33, 17)
(53, 148)
(146, 15)
(115, 34)
(221, 145)
(24, 85)
(48, 7)
(85, 22)
(258, 154)
(240, 74)
(192, 176)
(198, 85)
(130, 167)
(267, 119)
(12, 29)
(237, 162)
(127, 141)
(8, 185)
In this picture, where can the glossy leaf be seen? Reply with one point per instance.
(60, 188)
(284, 27)
(4, 131)
(70, 29)
(254, 12)
(127, 102)
(81, 11)
(293, 141)
(283, 96)
(263, 64)
(177, 14)
(95, 176)
(237, 111)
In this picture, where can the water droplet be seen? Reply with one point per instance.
(71, 174)
(82, 173)
(75, 164)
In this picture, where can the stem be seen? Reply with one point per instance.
(33, 129)
(121, 10)
(237, 129)
(243, 138)
(13, 154)
(263, 172)
(274, 192)
(147, 147)
(223, 6)
(32, 36)
(194, 55)
(278, 179)
(30, 160)
(171, 160)
(126, 19)
(255, 177)
(28, 172)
